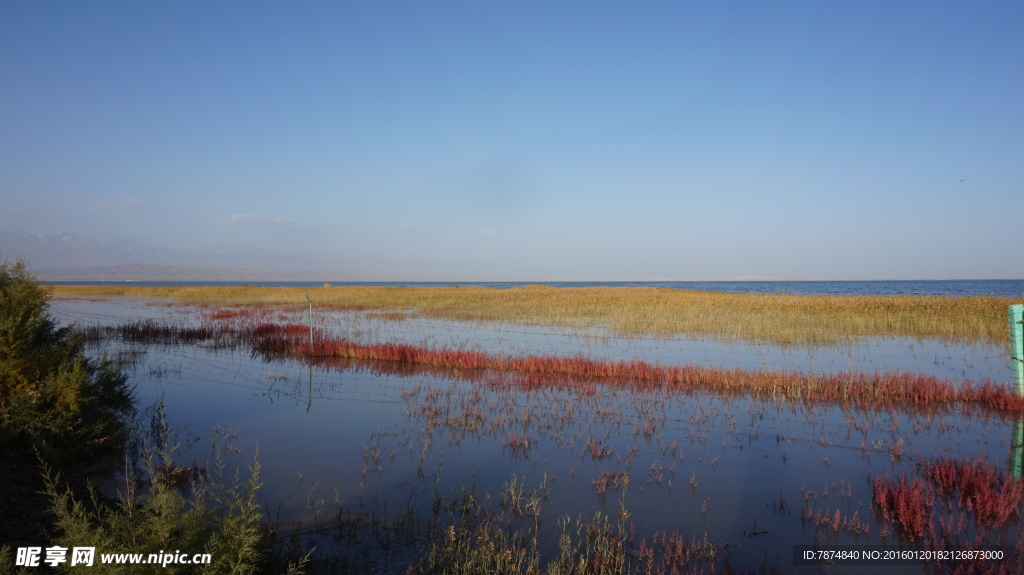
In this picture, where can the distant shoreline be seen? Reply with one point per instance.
(994, 288)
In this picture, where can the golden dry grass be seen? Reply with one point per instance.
(781, 319)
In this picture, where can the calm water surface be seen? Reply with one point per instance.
(740, 471)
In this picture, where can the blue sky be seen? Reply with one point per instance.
(527, 140)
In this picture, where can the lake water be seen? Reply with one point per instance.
(754, 476)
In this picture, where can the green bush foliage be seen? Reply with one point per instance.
(54, 401)
(71, 414)
(165, 507)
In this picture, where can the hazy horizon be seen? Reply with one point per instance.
(527, 142)
(124, 267)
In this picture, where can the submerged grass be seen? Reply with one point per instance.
(474, 536)
(774, 318)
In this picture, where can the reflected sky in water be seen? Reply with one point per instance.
(381, 436)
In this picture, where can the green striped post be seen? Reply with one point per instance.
(1016, 314)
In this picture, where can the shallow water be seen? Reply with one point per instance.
(742, 471)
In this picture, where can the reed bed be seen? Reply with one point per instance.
(772, 318)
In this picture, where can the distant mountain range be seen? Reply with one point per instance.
(71, 257)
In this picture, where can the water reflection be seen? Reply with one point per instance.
(947, 360)
(758, 474)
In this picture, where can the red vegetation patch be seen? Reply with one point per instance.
(855, 389)
(933, 507)
(224, 314)
(977, 488)
(868, 391)
(908, 504)
(294, 330)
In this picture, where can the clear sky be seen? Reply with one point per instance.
(557, 140)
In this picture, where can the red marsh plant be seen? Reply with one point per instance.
(519, 445)
(934, 504)
(597, 450)
(868, 391)
(289, 330)
(610, 479)
(992, 496)
(856, 389)
(909, 504)
(834, 520)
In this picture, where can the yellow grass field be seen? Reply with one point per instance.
(780, 319)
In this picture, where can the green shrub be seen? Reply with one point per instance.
(53, 400)
(165, 507)
(70, 413)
